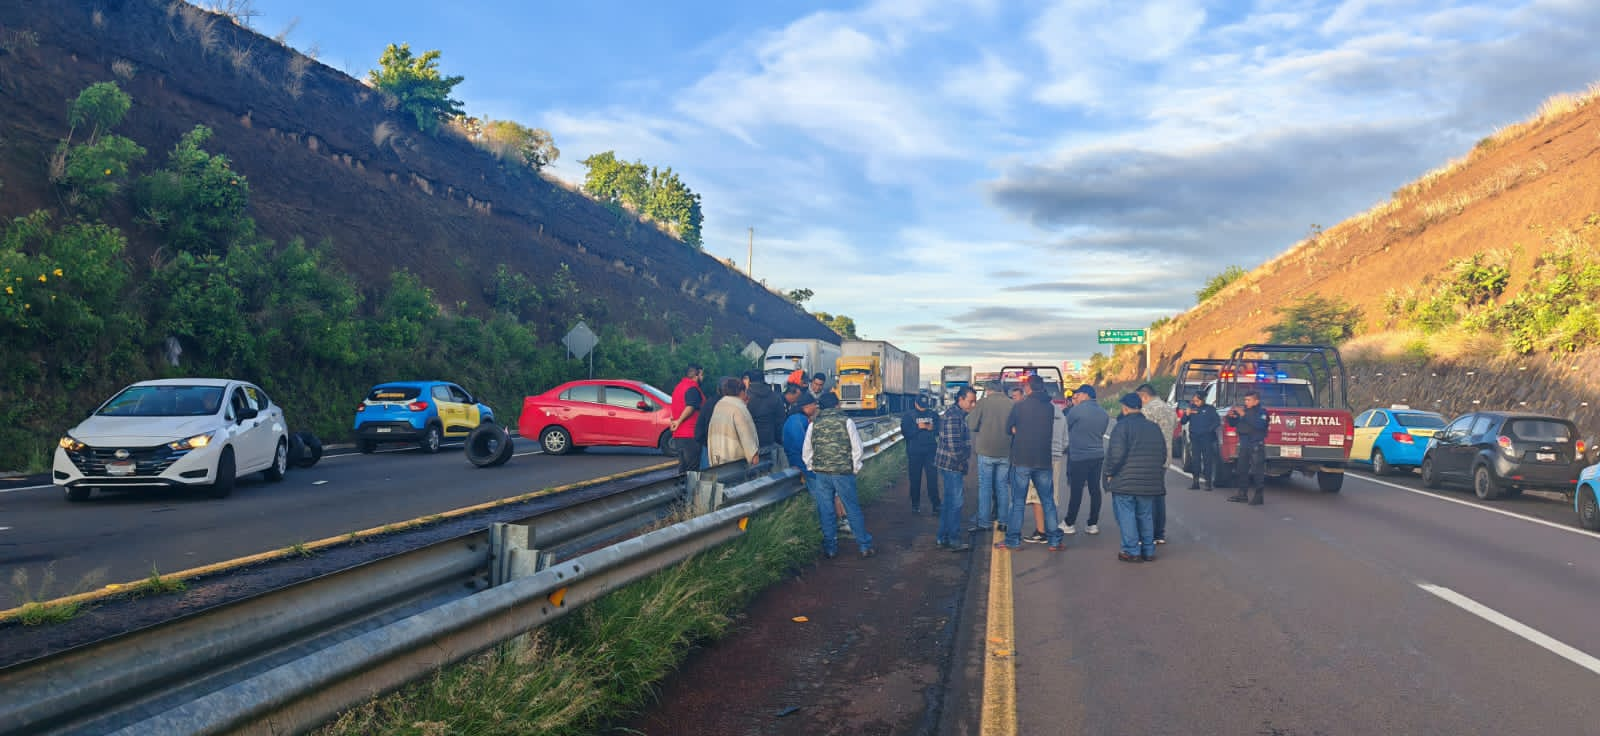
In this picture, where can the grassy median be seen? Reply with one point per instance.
(600, 663)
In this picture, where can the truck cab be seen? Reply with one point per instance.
(861, 384)
(1303, 388)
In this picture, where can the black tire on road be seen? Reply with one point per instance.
(368, 446)
(280, 462)
(1330, 482)
(665, 443)
(222, 485)
(1484, 485)
(1588, 510)
(489, 445)
(1430, 477)
(79, 494)
(432, 438)
(555, 441)
(311, 450)
(1380, 464)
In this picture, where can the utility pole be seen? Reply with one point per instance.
(750, 256)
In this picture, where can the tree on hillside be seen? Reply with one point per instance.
(845, 326)
(799, 296)
(1218, 283)
(655, 193)
(417, 84)
(1315, 320)
(531, 147)
(198, 202)
(90, 172)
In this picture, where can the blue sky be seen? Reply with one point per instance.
(983, 181)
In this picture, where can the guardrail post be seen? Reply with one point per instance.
(705, 493)
(512, 555)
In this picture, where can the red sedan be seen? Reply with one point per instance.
(598, 412)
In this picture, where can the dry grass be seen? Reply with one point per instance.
(297, 69)
(382, 134)
(98, 19)
(123, 68)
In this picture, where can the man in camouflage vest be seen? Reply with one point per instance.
(833, 451)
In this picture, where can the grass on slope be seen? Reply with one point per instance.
(600, 663)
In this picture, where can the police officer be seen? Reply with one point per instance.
(1251, 424)
(1202, 422)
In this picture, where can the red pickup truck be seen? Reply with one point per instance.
(1304, 390)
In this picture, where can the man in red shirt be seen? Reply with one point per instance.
(687, 398)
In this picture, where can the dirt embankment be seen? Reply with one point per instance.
(326, 160)
(1513, 193)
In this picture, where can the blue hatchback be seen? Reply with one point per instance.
(424, 412)
(1393, 439)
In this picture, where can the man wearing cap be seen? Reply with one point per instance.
(993, 443)
(794, 435)
(1136, 475)
(1086, 452)
(1202, 422)
(833, 451)
(1251, 423)
(920, 428)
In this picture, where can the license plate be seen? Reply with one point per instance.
(382, 430)
(1336, 441)
(1290, 451)
(1545, 457)
(119, 468)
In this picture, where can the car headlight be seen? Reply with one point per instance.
(193, 443)
(69, 443)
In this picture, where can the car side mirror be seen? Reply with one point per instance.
(248, 413)
(645, 406)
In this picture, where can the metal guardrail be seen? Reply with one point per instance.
(289, 660)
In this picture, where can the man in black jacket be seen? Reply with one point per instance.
(1251, 423)
(1031, 426)
(1202, 423)
(920, 427)
(766, 409)
(1136, 475)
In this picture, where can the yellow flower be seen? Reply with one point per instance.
(27, 306)
(42, 279)
(58, 272)
(108, 172)
(9, 291)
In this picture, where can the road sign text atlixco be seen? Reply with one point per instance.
(1122, 337)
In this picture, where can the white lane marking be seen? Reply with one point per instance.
(530, 452)
(318, 482)
(5, 528)
(24, 488)
(1457, 501)
(1516, 627)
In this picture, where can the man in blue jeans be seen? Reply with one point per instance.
(953, 451)
(833, 451)
(1031, 425)
(1136, 475)
(993, 443)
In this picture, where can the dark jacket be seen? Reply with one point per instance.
(767, 409)
(1202, 422)
(988, 423)
(702, 424)
(1252, 426)
(1030, 425)
(1086, 432)
(1136, 458)
(920, 442)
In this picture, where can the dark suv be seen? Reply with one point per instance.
(1501, 453)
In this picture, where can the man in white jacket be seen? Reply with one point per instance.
(732, 434)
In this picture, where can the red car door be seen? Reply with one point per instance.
(625, 421)
(584, 416)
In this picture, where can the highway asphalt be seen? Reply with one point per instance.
(51, 548)
(1377, 610)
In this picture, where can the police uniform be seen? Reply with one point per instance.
(1251, 425)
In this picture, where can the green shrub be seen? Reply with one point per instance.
(1218, 283)
(198, 202)
(1315, 320)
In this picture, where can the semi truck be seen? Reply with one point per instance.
(952, 378)
(806, 354)
(875, 377)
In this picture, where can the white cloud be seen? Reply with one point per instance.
(988, 85)
(1086, 44)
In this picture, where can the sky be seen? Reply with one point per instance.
(985, 182)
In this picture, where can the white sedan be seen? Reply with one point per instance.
(176, 432)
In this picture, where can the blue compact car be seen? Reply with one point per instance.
(1393, 440)
(423, 412)
(1585, 501)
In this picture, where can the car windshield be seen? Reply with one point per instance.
(656, 393)
(1540, 430)
(394, 393)
(1283, 395)
(1420, 421)
(164, 401)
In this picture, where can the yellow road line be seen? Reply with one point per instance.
(999, 663)
(309, 547)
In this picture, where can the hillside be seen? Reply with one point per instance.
(1520, 195)
(326, 161)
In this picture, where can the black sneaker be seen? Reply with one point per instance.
(1036, 538)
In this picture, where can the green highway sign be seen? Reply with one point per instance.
(1122, 337)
